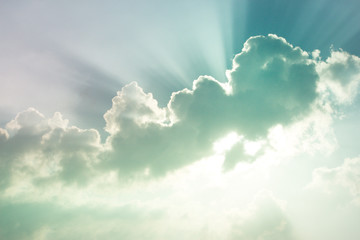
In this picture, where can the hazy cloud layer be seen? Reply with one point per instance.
(265, 219)
(342, 181)
(22, 221)
(327, 207)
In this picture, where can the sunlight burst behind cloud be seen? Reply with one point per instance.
(278, 102)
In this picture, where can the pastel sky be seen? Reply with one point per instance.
(201, 119)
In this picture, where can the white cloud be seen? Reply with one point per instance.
(340, 74)
(132, 105)
(328, 205)
(278, 104)
(339, 182)
(265, 219)
(38, 149)
(276, 97)
(271, 83)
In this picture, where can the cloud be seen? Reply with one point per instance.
(340, 74)
(265, 219)
(133, 106)
(23, 221)
(329, 206)
(271, 83)
(36, 148)
(341, 183)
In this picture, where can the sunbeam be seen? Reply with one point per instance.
(192, 119)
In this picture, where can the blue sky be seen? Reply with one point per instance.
(216, 119)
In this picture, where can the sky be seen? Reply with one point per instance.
(232, 119)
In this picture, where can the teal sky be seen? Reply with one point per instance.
(163, 45)
(186, 119)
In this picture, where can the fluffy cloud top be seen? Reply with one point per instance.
(35, 148)
(341, 75)
(271, 83)
(272, 86)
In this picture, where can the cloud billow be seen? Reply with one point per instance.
(271, 83)
(61, 182)
(40, 149)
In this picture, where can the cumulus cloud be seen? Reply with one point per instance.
(340, 75)
(271, 83)
(38, 149)
(133, 106)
